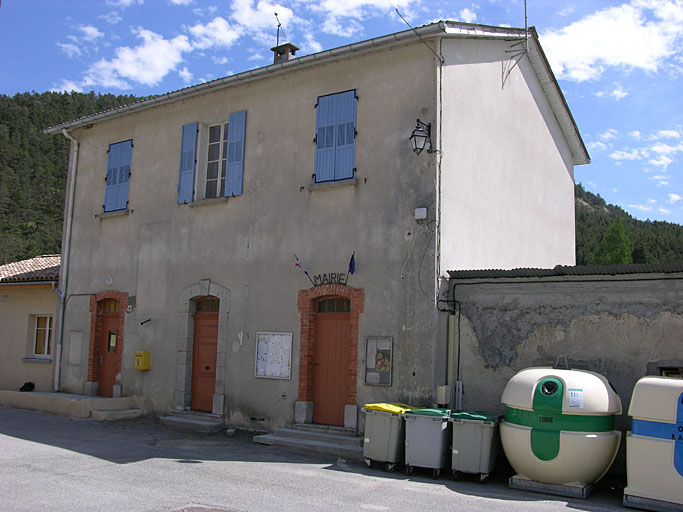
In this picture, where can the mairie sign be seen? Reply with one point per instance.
(330, 278)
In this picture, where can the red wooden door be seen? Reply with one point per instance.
(330, 367)
(110, 354)
(204, 360)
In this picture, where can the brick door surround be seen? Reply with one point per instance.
(92, 384)
(306, 307)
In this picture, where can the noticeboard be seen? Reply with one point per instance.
(273, 355)
(378, 360)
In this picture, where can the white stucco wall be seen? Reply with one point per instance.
(507, 175)
(19, 305)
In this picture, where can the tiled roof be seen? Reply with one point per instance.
(40, 268)
(607, 270)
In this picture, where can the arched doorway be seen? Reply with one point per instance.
(328, 355)
(107, 310)
(205, 340)
(331, 354)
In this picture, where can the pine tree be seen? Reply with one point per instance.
(615, 247)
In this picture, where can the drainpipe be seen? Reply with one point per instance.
(59, 328)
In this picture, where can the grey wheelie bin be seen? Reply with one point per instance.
(427, 439)
(384, 439)
(474, 447)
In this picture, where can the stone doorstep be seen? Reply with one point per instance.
(343, 440)
(115, 414)
(330, 448)
(202, 426)
(63, 404)
(326, 429)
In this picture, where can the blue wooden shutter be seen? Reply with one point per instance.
(187, 159)
(237, 124)
(118, 176)
(324, 139)
(345, 136)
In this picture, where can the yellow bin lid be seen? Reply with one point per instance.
(395, 408)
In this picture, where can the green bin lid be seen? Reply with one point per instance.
(474, 415)
(444, 413)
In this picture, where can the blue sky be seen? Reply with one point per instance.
(619, 63)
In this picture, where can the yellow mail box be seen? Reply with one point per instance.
(142, 358)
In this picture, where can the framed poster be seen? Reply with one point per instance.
(378, 360)
(273, 355)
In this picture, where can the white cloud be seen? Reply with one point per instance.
(636, 135)
(668, 134)
(186, 75)
(217, 32)
(125, 3)
(90, 33)
(70, 49)
(111, 17)
(468, 15)
(662, 148)
(674, 198)
(665, 211)
(618, 93)
(641, 207)
(333, 26)
(145, 64)
(597, 146)
(663, 161)
(181, 2)
(634, 154)
(641, 34)
(566, 11)
(220, 60)
(609, 134)
(652, 201)
(68, 86)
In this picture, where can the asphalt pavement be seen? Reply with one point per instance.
(52, 463)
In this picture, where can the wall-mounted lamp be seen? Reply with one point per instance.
(421, 137)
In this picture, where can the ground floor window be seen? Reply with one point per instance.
(43, 336)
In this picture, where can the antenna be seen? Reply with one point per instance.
(279, 28)
(526, 29)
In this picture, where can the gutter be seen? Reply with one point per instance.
(254, 74)
(22, 283)
(64, 268)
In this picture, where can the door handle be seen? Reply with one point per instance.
(206, 368)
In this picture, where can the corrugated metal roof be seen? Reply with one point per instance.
(560, 270)
(455, 29)
(40, 268)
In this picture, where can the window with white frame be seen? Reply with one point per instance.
(216, 152)
(42, 341)
(216, 159)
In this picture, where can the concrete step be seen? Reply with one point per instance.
(330, 448)
(64, 404)
(115, 414)
(326, 429)
(201, 426)
(345, 440)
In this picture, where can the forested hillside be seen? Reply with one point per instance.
(650, 241)
(33, 168)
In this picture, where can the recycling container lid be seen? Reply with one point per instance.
(395, 408)
(474, 415)
(444, 413)
(567, 391)
(657, 399)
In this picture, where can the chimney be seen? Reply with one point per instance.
(284, 52)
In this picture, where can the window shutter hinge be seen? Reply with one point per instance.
(315, 139)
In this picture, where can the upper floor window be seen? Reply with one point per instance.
(216, 152)
(335, 139)
(118, 176)
(42, 344)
